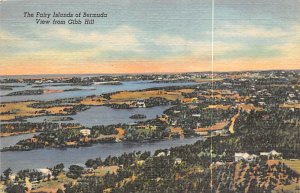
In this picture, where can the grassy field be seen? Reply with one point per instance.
(217, 126)
(224, 107)
(177, 130)
(294, 165)
(101, 171)
(250, 107)
(16, 109)
(296, 106)
(208, 79)
(94, 101)
(52, 185)
(126, 95)
(22, 109)
(10, 111)
(186, 90)
(121, 133)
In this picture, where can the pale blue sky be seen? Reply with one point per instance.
(151, 31)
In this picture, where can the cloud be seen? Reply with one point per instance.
(10, 40)
(289, 50)
(119, 39)
(195, 47)
(259, 42)
(248, 30)
(70, 50)
(289, 47)
(64, 45)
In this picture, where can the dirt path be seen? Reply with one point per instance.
(231, 127)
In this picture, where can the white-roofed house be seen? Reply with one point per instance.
(45, 172)
(244, 156)
(271, 155)
(85, 132)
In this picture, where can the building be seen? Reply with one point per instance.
(140, 104)
(244, 157)
(45, 172)
(271, 155)
(178, 161)
(85, 132)
(161, 154)
(219, 132)
(202, 133)
(274, 153)
(240, 156)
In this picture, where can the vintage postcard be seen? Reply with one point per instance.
(149, 96)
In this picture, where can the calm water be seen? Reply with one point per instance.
(88, 90)
(101, 115)
(42, 158)
(12, 140)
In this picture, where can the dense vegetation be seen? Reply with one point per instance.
(26, 92)
(161, 172)
(281, 133)
(266, 111)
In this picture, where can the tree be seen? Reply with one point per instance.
(15, 189)
(55, 173)
(60, 167)
(7, 173)
(57, 170)
(60, 191)
(145, 155)
(75, 171)
(89, 163)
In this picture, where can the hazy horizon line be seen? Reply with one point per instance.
(147, 73)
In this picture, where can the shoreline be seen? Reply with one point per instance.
(3, 135)
(107, 140)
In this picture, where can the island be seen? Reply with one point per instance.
(137, 116)
(239, 110)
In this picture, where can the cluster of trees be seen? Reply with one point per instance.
(75, 171)
(161, 174)
(7, 87)
(26, 92)
(55, 136)
(150, 102)
(17, 184)
(204, 117)
(15, 188)
(148, 130)
(55, 103)
(255, 176)
(33, 175)
(126, 159)
(75, 109)
(105, 130)
(272, 129)
(159, 101)
(28, 126)
(56, 170)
